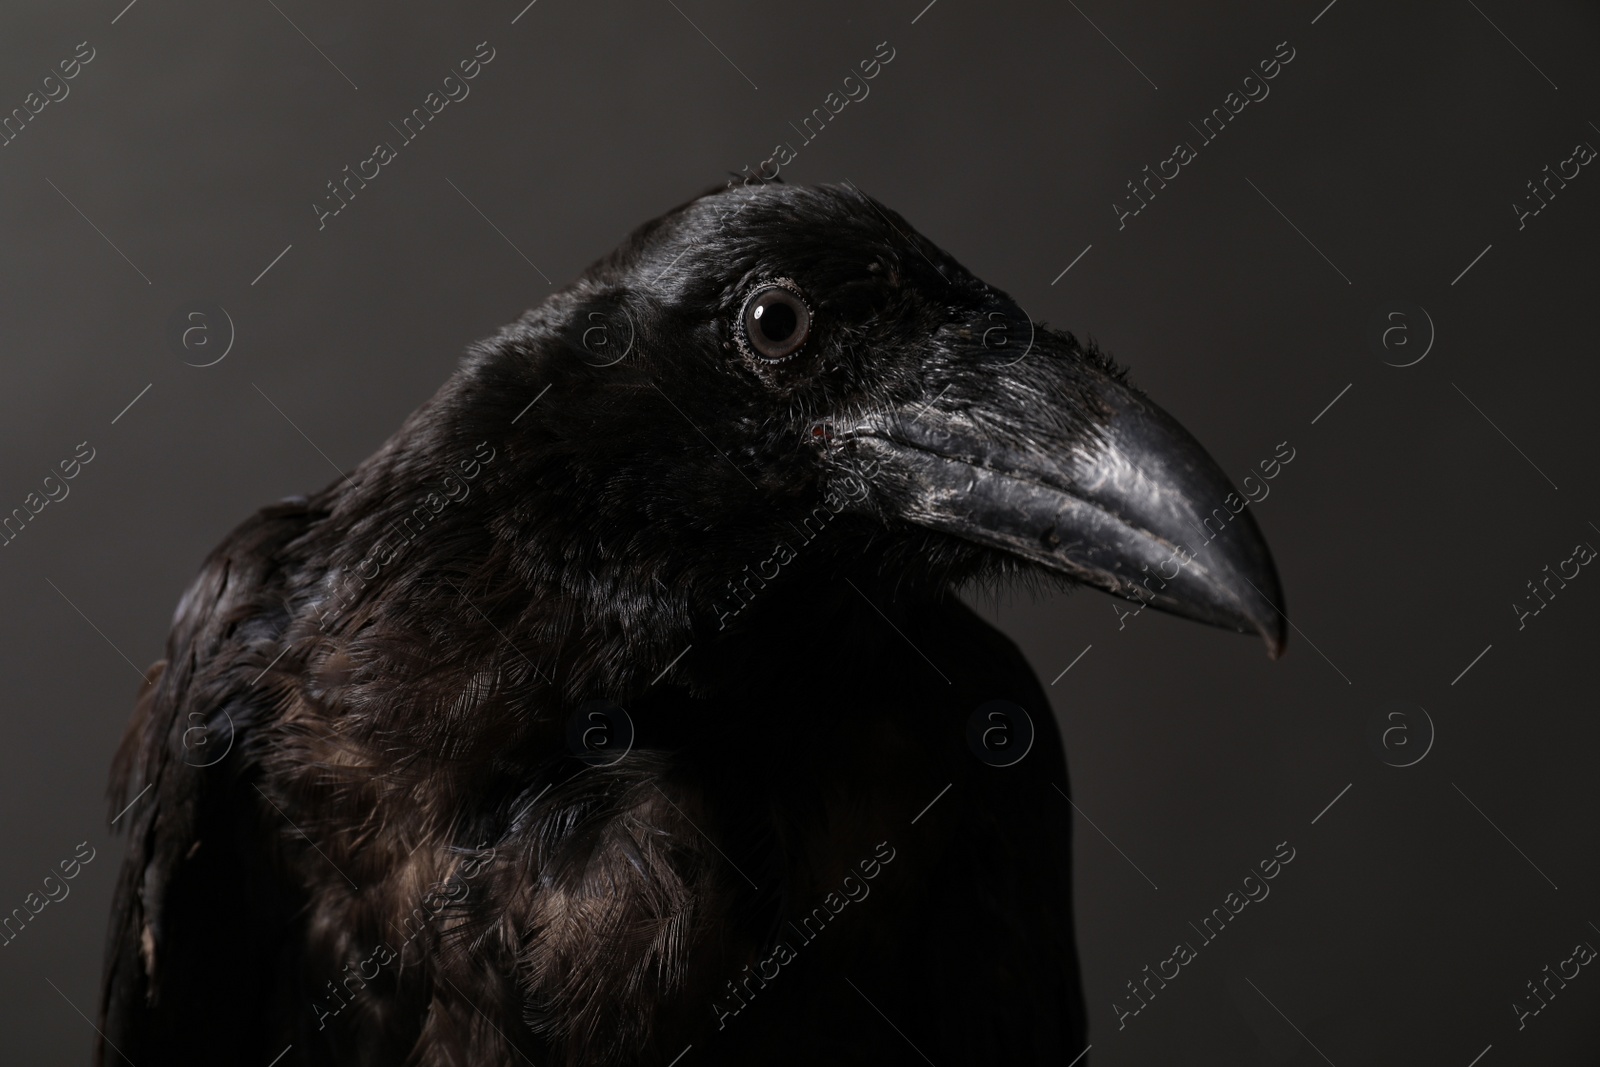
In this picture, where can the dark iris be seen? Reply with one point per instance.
(776, 322)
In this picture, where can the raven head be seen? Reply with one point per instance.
(772, 373)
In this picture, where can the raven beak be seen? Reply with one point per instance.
(1133, 506)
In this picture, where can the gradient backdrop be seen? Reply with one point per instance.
(1304, 254)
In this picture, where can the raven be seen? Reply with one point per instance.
(619, 710)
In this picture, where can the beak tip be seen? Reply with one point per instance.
(1274, 630)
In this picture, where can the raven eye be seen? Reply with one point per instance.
(776, 321)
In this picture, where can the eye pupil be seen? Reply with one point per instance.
(776, 322)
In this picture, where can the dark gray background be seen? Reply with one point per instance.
(1404, 528)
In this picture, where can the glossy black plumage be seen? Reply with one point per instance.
(369, 837)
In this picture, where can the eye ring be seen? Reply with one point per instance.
(775, 322)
